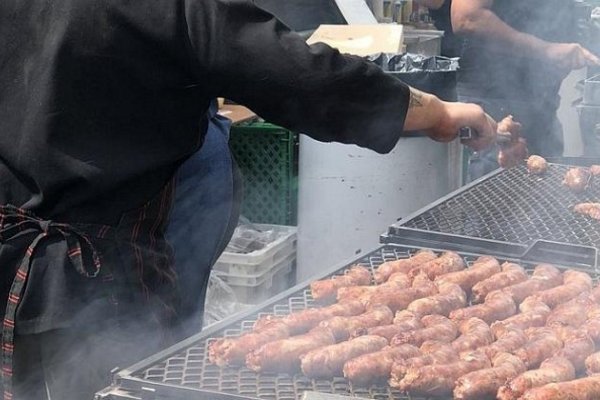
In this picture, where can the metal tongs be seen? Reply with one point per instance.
(468, 133)
(512, 147)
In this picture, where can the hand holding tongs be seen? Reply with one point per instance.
(512, 147)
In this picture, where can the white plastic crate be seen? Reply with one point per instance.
(254, 291)
(257, 263)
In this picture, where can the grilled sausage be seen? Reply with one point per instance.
(326, 289)
(284, 355)
(592, 364)
(511, 274)
(440, 380)
(400, 299)
(437, 327)
(545, 276)
(497, 306)
(475, 333)
(575, 283)
(375, 367)
(543, 344)
(577, 347)
(484, 384)
(508, 342)
(434, 353)
(363, 293)
(482, 268)
(591, 210)
(344, 327)
(303, 321)
(450, 297)
(577, 179)
(578, 389)
(534, 313)
(448, 262)
(328, 362)
(233, 351)
(388, 268)
(537, 165)
(555, 369)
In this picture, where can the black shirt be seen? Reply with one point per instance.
(503, 75)
(101, 100)
(443, 21)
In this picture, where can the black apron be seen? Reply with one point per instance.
(66, 275)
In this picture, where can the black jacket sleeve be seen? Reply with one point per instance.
(247, 55)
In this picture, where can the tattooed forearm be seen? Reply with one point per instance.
(416, 98)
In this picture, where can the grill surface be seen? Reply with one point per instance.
(513, 206)
(190, 367)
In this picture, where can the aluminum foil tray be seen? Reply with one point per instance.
(183, 371)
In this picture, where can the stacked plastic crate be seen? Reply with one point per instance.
(257, 275)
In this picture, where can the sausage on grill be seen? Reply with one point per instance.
(303, 321)
(484, 384)
(497, 306)
(575, 283)
(434, 353)
(375, 367)
(578, 389)
(326, 289)
(511, 274)
(400, 299)
(388, 268)
(284, 355)
(545, 276)
(577, 347)
(450, 297)
(534, 313)
(577, 179)
(482, 268)
(572, 313)
(440, 380)
(437, 327)
(344, 327)
(363, 293)
(233, 351)
(507, 342)
(448, 262)
(537, 165)
(555, 369)
(475, 333)
(403, 321)
(328, 361)
(591, 210)
(543, 344)
(592, 364)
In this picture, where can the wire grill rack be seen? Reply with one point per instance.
(513, 206)
(188, 368)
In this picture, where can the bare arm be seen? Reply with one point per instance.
(442, 120)
(475, 18)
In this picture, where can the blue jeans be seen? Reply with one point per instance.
(204, 214)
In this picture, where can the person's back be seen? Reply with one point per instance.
(98, 101)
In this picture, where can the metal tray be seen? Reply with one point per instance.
(183, 371)
(510, 206)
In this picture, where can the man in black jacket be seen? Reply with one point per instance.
(100, 102)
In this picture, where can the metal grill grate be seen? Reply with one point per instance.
(516, 207)
(190, 368)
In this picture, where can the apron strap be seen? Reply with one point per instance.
(18, 223)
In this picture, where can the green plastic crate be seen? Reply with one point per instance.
(268, 158)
